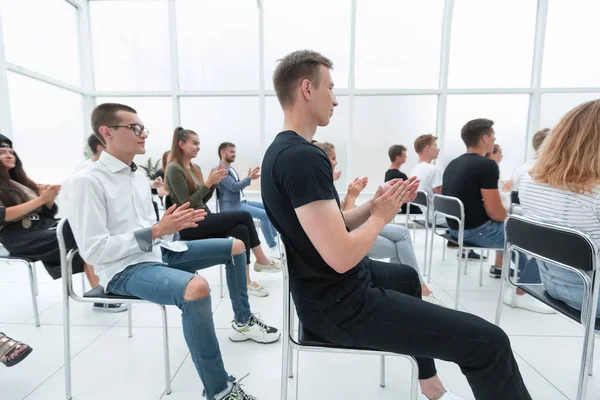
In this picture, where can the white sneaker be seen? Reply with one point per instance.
(255, 330)
(447, 396)
(433, 300)
(526, 302)
(256, 289)
(273, 266)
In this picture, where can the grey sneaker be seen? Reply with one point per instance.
(273, 266)
(237, 393)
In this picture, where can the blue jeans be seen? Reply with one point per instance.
(563, 285)
(257, 210)
(490, 234)
(165, 284)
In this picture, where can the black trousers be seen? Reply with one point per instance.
(238, 224)
(391, 317)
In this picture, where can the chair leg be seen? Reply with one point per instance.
(221, 278)
(285, 366)
(35, 279)
(67, 346)
(460, 261)
(591, 358)
(166, 350)
(430, 260)
(382, 371)
(32, 284)
(444, 245)
(297, 373)
(426, 248)
(414, 382)
(83, 283)
(130, 319)
(290, 366)
(481, 268)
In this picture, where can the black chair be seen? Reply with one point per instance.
(571, 250)
(307, 341)
(453, 208)
(33, 284)
(96, 295)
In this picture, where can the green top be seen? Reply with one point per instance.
(178, 188)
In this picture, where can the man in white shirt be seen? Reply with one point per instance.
(429, 175)
(115, 228)
(520, 171)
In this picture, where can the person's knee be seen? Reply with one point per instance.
(238, 247)
(197, 288)
(497, 338)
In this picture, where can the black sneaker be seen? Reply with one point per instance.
(473, 256)
(495, 272)
(114, 308)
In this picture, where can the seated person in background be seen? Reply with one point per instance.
(520, 171)
(503, 186)
(393, 241)
(563, 188)
(397, 155)
(115, 228)
(340, 295)
(96, 147)
(185, 183)
(232, 198)
(161, 188)
(473, 179)
(429, 175)
(27, 221)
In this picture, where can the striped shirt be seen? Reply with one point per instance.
(544, 203)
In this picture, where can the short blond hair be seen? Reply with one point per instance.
(568, 158)
(326, 147)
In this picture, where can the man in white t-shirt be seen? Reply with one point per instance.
(429, 175)
(520, 171)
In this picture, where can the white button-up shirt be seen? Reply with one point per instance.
(111, 215)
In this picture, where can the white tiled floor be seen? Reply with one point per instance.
(107, 364)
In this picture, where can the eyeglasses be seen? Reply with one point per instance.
(135, 128)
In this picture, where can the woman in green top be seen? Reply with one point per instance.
(185, 183)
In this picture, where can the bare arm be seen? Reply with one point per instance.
(493, 204)
(17, 212)
(356, 216)
(324, 226)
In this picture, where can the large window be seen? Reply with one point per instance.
(218, 48)
(130, 44)
(509, 113)
(398, 43)
(492, 43)
(318, 25)
(224, 119)
(379, 122)
(41, 35)
(47, 128)
(572, 54)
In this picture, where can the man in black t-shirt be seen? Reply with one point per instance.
(473, 179)
(397, 155)
(342, 296)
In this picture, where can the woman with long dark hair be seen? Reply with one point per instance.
(27, 223)
(186, 183)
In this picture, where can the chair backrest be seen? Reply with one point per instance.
(449, 207)
(421, 199)
(66, 267)
(553, 243)
(217, 200)
(514, 197)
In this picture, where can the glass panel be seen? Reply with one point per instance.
(157, 115)
(492, 43)
(509, 113)
(571, 52)
(47, 128)
(556, 105)
(381, 121)
(130, 45)
(212, 119)
(218, 48)
(287, 30)
(336, 133)
(413, 63)
(44, 41)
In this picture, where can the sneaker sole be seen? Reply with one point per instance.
(258, 294)
(269, 271)
(238, 337)
(109, 310)
(495, 276)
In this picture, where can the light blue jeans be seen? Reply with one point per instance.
(257, 210)
(394, 243)
(563, 285)
(165, 284)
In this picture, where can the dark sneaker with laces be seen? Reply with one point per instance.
(255, 330)
(114, 308)
(473, 256)
(495, 272)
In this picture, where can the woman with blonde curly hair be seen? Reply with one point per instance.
(563, 188)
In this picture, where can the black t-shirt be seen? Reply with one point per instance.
(397, 174)
(295, 173)
(464, 178)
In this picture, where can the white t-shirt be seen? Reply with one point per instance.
(431, 178)
(518, 173)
